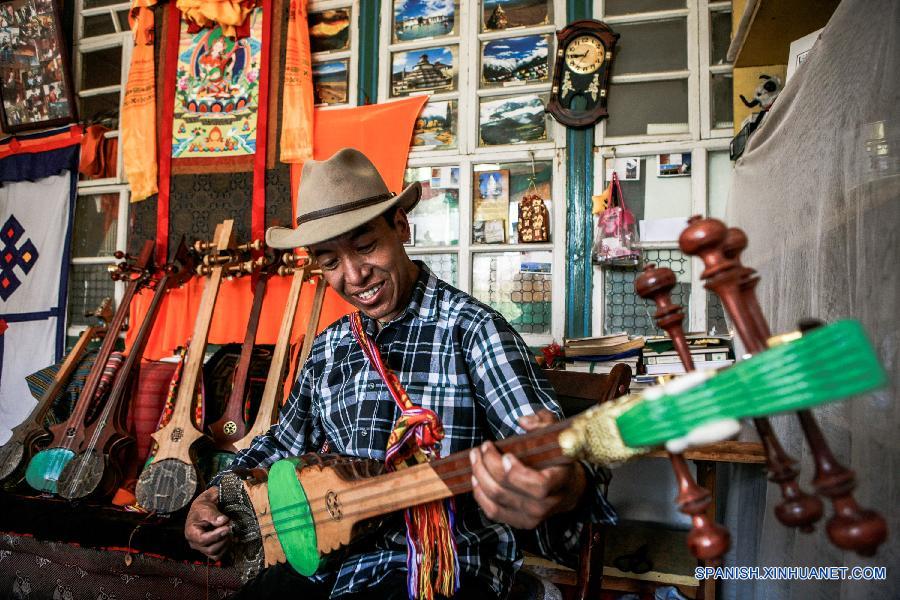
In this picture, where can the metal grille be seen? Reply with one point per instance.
(715, 315)
(442, 265)
(88, 286)
(624, 310)
(518, 285)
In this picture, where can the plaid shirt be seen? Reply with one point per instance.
(458, 358)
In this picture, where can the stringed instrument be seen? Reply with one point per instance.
(171, 480)
(98, 466)
(303, 508)
(851, 527)
(31, 433)
(231, 426)
(46, 466)
(707, 540)
(301, 270)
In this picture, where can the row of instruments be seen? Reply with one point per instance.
(301, 509)
(89, 454)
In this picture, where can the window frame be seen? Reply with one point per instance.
(468, 153)
(700, 140)
(108, 185)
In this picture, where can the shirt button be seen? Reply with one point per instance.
(364, 433)
(371, 386)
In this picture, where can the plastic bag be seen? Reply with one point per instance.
(616, 238)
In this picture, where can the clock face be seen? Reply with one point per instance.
(585, 54)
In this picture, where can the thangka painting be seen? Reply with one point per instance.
(217, 92)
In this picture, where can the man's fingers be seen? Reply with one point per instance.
(539, 419)
(205, 539)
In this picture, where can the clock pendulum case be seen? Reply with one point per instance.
(584, 53)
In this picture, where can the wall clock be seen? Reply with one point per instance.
(584, 53)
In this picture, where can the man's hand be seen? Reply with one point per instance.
(205, 528)
(518, 495)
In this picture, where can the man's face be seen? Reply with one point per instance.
(369, 267)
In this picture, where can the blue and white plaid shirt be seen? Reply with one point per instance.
(454, 356)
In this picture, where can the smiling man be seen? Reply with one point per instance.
(456, 358)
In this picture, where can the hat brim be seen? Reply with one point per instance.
(326, 228)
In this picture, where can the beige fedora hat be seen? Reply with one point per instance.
(336, 196)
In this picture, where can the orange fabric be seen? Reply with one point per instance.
(297, 98)
(93, 155)
(139, 106)
(178, 313)
(380, 131)
(230, 14)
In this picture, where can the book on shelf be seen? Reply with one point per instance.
(677, 368)
(701, 354)
(602, 347)
(662, 344)
(603, 367)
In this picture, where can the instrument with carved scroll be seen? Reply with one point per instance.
(31, 433)
(300, 269)
(231, 426)
(302, 510)
(171, 480)
(98, 466)
(851, 528)
(46, 466)
(707, 540)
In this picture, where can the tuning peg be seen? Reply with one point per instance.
(203, 246)
(217, 259)
(283, 271)
(203, 270)
(122, 255)
(254, 245)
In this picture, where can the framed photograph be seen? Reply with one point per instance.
(331, 82)
(329, 30)
(673, 165)
(424, 70)
(509, 14)
(512, 120)
(628, 169)
(423, 19)
(37, 91)
(435, 129)
(515, 61)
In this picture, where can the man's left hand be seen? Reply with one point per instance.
(518, 495)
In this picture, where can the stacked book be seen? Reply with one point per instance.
(601, 354)
(707, 352)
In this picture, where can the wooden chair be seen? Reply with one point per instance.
(576, 392)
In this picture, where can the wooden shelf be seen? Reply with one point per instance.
(764, 29)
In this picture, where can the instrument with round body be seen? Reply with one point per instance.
(305, 508)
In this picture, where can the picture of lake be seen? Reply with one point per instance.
(418, 19)
(330, 82)
(518, 59)
(436, 126)
(512, 120)
(506, 14)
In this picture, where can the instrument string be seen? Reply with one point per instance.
(306, 520)
(117, 390)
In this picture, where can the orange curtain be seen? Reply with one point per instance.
(382, 132)
(139, 106)
(297, 98)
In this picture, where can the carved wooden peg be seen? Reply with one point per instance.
(255, 245)
(707, 540)
(727, 279)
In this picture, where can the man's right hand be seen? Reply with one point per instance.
(205, 528)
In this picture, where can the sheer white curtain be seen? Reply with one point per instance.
(818, 193)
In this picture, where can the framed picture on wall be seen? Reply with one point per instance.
(36, 90)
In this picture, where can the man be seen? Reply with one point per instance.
(452, 354)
